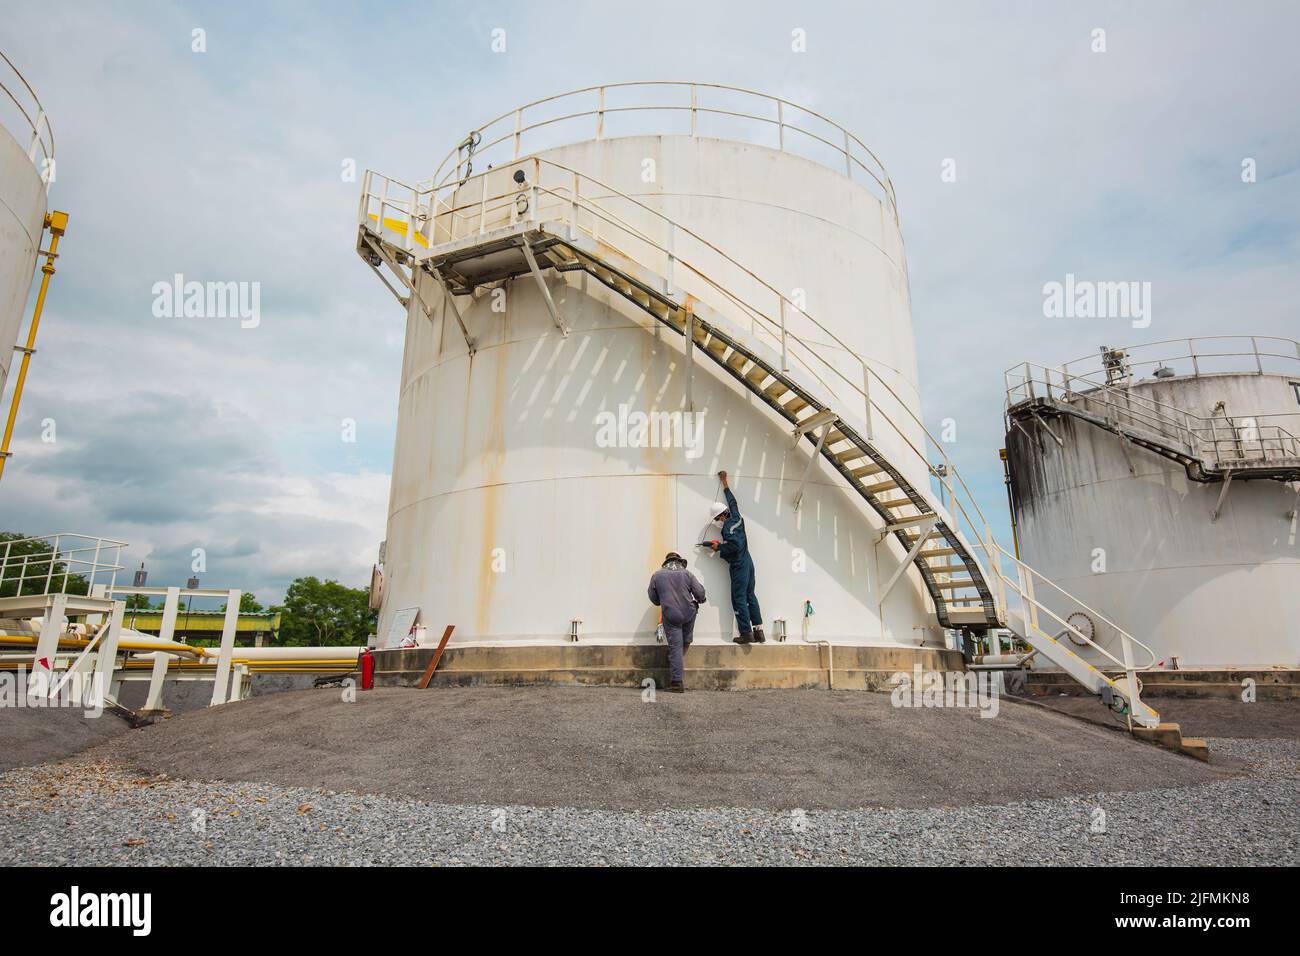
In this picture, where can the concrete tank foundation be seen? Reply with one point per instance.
(708, 667)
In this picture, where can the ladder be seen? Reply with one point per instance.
(967, 594)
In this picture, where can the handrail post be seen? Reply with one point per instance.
(848, 157)
(785, 358)
(534, 213)
(780, 125)
(689, 329)
(1130, 672)
(1259, 363)
(694, 106)
(519, 118)
(600, 114)
(866, 401)
(573, 207)
(49, 572)
(668, 273)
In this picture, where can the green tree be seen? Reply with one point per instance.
(248, 604)
(325, 612)
(30, 562)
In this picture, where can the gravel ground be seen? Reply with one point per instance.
(605, 748)
(30, 736)
(1200, 717)
(93, 813)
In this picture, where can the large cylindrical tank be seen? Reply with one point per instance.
(510, 517)
(1205, 574)
(22, 204)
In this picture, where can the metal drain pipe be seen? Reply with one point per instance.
(830, 650)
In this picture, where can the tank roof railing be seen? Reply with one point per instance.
(35, 124)
(503, 139)
(1196, 356)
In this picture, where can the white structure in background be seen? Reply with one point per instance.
(1161, 482)
(26, 150)
(674, 249)
(38, 631)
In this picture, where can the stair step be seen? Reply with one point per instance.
(882, 486)
(867, 470)
(956, 585)
(850, 454)
(1170, 736)
(894, 503)
(795, 405)
(913, 519)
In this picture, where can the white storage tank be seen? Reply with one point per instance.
(1159, 484)
(26, 147)
(526, 504)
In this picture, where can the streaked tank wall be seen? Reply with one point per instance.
(509, 520)
(22, 216)
(1214, 593)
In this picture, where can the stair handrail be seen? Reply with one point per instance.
(1023, 585)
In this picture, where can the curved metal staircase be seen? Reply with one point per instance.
(473, 237)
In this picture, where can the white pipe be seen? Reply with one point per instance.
(830, 650)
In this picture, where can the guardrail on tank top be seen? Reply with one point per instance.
(22, 114)
(726, 111)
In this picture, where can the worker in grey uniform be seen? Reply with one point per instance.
(679, 594)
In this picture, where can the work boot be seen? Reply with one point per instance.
(675, 689)
(746, 637)
(758, 636)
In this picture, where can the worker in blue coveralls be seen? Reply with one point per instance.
(679, 594)
(734, 549)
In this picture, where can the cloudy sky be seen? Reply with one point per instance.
(226, 165)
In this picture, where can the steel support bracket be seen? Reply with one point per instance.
(1223, 493)
(812, 459)
(541, 284)
(925, 530)
(450, 299)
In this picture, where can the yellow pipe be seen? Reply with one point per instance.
(173, 648)
(57, 223)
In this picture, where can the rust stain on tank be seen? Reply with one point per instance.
(493, 456)
(658, 461)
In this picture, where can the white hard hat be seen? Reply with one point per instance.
(718, 508)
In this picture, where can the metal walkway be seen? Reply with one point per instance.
(1209, 449)
(966, 593)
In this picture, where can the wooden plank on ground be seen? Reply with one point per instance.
(437, 656)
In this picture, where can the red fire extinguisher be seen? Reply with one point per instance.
(367, 670)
